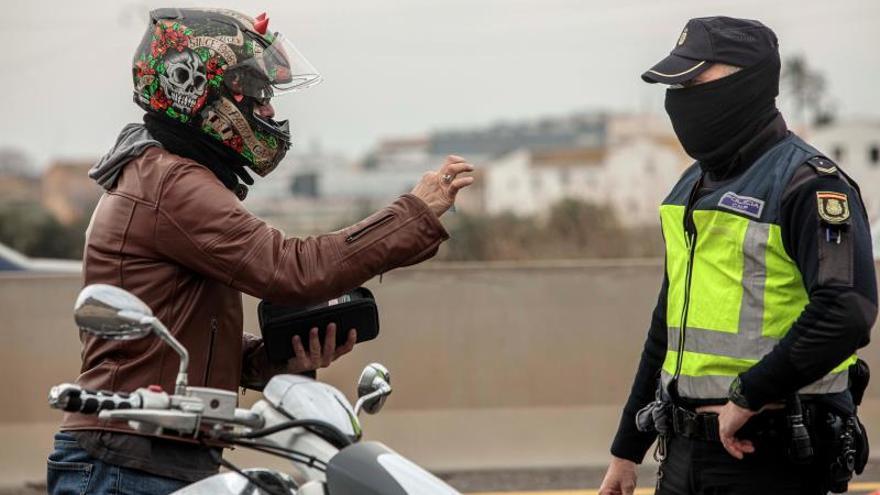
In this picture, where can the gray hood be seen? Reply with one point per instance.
(132, 141)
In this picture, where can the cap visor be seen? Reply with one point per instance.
(675, 69)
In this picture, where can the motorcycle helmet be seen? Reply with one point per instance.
(211, 69)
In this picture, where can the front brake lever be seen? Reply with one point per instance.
(152, 422)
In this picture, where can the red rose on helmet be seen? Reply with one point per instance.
(156, 49)
(167, 37)
(213, 66)
(176, 39)
(144, 69)
(235, 142)
(159, 101)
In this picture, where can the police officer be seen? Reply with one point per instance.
(749, 376)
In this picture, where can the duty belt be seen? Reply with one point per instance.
(693, 425)
(704, 426)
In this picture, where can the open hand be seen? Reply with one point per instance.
(620, 479)
(319, 356)
(439, 188)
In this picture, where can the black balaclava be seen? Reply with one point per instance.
(191, 143)
(714, 120)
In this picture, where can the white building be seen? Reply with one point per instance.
(631, 177)
(318, 175)
(298, 175)
(400, 154)
(632, 173)
(638, 174)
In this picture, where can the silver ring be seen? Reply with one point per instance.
(447, 178)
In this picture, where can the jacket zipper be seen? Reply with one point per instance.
(367, 228)
(691, 242)
(210, 349)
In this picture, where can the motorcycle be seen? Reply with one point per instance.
(309, 423)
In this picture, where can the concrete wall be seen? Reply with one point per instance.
(501, 365)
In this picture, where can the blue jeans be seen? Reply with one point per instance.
(71, 470)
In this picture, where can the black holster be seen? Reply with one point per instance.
(859, 376)
(843, 438)
(843, 448)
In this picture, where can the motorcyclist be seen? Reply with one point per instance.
(171, 229)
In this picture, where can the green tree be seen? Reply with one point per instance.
(572, 229)
(31, 230)
(469, 238)
(585, 229)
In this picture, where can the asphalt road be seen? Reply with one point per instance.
(568, 481)
(586, 481)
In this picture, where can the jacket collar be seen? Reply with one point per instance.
(776, 130)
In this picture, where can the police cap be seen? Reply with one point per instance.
(709, 40)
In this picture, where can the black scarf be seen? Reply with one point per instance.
(189, 142)
(714, 120)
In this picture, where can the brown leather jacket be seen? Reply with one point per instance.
(173, 235)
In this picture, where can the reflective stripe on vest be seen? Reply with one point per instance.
(706, 387)
(736, 287)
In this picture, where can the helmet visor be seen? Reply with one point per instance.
(273, 70)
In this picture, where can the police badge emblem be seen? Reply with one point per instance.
(684, 35)
(833, 207)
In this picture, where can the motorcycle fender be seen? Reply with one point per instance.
(370, 468)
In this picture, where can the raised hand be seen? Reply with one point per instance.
(439, 188)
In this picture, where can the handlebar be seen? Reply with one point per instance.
(73, 398)
(156, 408)
(202, 413)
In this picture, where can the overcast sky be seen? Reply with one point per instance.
(404, 67)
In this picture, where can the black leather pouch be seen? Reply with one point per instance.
(859, 376)
(278, 323)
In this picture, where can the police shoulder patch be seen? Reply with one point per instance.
(833, 206)
(822, 165)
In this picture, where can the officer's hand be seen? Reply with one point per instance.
(438, 188)
(620, 479)
(731, 418)
(318, 356)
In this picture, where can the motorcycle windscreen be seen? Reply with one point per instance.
(370, 468)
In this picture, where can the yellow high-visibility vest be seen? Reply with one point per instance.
(733, 292)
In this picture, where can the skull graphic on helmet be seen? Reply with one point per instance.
(184, 80)
(210, 69)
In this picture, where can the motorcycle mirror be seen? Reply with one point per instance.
(109, 312)
(112, 313)
(374, 387)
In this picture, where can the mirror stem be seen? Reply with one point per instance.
(163, 333)
(384, 389)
